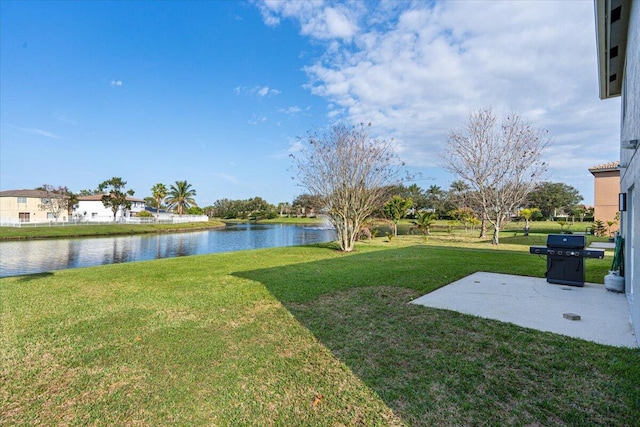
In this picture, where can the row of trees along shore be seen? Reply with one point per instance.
(498, 165)
(352, 179)
(547, 201)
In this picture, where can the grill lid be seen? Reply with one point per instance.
(566, 241)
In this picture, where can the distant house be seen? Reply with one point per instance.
(618, 40)
(606, 186)
(26, 206)
(91, 209)
(159, 213)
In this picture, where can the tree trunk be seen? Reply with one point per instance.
(483, 228)
(344, 235)
(496, 236)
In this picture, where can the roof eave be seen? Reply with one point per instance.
(611, 40)
(601, 45)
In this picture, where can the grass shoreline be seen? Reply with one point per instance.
(100, 230)
(441, 228)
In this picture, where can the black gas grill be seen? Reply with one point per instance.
(565, 258)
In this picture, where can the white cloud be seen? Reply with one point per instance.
(263, 91)
(417, 69)
(318, 19)
(36, 131)
(256, 120)
(266, 91)
(290, 110)
(45, 133)
(116, 83)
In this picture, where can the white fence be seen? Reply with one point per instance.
(13, 222)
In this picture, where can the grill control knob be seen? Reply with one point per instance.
(559, 252)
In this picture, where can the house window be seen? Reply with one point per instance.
(23, 216)
(22, 200)
(50, 215)
(94, 214)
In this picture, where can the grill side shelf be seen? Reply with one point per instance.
(593, 253)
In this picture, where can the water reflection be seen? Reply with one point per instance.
(37, 256)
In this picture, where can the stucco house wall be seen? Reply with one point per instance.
(606, 186)
(24, 206)
(91, 209)
(630, 163)
(618, 37)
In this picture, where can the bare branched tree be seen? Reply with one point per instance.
(501, 163)
(56, 201)
(351, 173)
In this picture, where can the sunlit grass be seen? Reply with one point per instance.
(297, 336)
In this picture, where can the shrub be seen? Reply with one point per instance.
(599, 229)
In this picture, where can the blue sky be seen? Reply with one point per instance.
(218, 93)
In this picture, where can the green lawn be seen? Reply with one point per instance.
(297, 336)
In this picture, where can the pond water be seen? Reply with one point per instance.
(39, 256)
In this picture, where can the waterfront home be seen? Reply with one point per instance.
(28, 206)
(91, 209)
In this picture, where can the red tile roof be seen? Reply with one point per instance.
(605, 167)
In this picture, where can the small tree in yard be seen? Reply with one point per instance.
(114, 195)
(501, 164)
(58, 200)
(396, 209)
(463, 215)
(527, 214)
(424, 222)
(351, 173)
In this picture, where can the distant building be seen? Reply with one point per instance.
(606, 185)
(91, 209)
(160, 214)
(26, 206)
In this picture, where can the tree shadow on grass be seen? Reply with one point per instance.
(33, 277)
(437, 367)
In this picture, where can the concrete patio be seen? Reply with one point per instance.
(533, 303)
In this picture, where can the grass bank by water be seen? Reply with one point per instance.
(100, 230)
(297, 336)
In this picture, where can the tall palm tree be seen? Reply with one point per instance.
(159, 192)
(181, 196)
